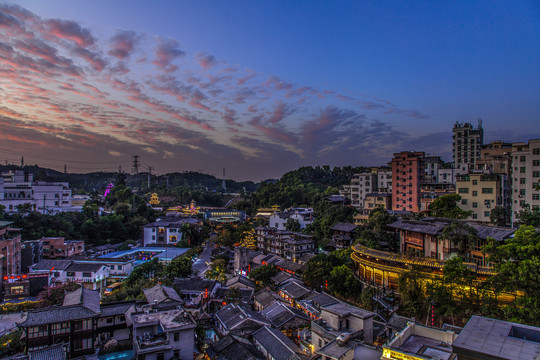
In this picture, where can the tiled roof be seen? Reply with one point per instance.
(295, 290)
(56, 314)
(46, 264)
(83, 297)
(116, 308)
(279, 313)
(233, 315)
(279, 346)
(344, 227)
(233, 348)
(194, 284)
(495, 232)
(84, 267)
(323, 299)
(398, 323)
(160, 293)
(266, 297)
(53, 352)
(281, 277)
(423, 227)
(240, 279)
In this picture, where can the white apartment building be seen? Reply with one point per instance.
(304, 216)
(378, 180)
(19, 187)
(467, 142)
(525, 176)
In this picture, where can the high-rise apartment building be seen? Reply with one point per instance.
(495, 158)
(481, 193)
(408, 172)
(466, 144)
(525, 176)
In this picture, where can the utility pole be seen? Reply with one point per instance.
(120, 169)
(149, 173)
(167, 177)
(22, 161)
(135, 169)
(224, 185)
(65, 169)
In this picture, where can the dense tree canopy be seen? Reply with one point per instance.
(446, 206)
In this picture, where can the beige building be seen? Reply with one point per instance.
(377, 180)
(525, 176)
(466, 144)
(496, 158)
(481, 193)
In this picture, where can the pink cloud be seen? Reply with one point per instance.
(70, 30)
(166, 52)
(123, 44)
(206, 61)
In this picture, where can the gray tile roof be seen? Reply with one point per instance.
(279, 314)
(46, 264)
(281, 277)
(160, 293)
(116, 308)
(233, 348)
(194, 284)
(240, 279)
(85, 266)
(344, 227)
(53, 352)
(398, 323)
(56, 314)
(335, 350)
(231, 316)
(266, 297)
(495, 232)
(295, 290)
(431, 228)
(279, 346)
(84, 297)
(323, 299)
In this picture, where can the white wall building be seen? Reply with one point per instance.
(303, 215)
(19, 187)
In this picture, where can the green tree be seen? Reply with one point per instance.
(446, 206)
(55, 296)
(461, 235)
(516, 262)
(292, 225)
(178, 268)
(528, 217)
(263, 274)
(413, 297)
(498, 216)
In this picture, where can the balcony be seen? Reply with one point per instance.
(152, 343)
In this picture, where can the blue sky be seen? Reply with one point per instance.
(262, 87)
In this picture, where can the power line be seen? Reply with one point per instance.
(61, 160)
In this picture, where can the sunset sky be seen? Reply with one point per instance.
(260, 87)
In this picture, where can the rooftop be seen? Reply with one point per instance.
(169, 320)
(344, 309)
(50, 265)
(194, 284)
(295, 290)
(344, 227)
(336, 350)
(160, 293)
(233, 315)
(498, 339)
(279, 346)
(84, 267)
(278, 313)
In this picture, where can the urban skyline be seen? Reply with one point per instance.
(262, 88)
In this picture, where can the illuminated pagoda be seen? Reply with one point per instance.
(154, 199)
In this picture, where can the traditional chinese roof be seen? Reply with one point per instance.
(279, 314)
(194, 284)
(496, 232)
(53, 352)
(344, 227)
(233, 348)
(116, 308)
(295, 290)
(278, 346)
(423, 227)
(240, 280)
(266, 297)
(84, 297)
(46, 264)
(160, 293)
(344, 309)
(56, 314)
(232, 316)
(84, 267)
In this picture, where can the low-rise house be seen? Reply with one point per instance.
(293, 292)
(59, 247)
(194, 290)
(112, 322)
(281, 278)
(313, 303)
(343, 321)
(163, 334)
(240, 282)
(289, 245)
(235, 320)
(343, 235)
(304, 216)
(416, 341)
(275, 345)
(91, 275)
(233, 348)
(162, 297)
(265, 298)
(167, 231)
(55, 270)
(74, 324)
(485, 338)
(285, 318)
